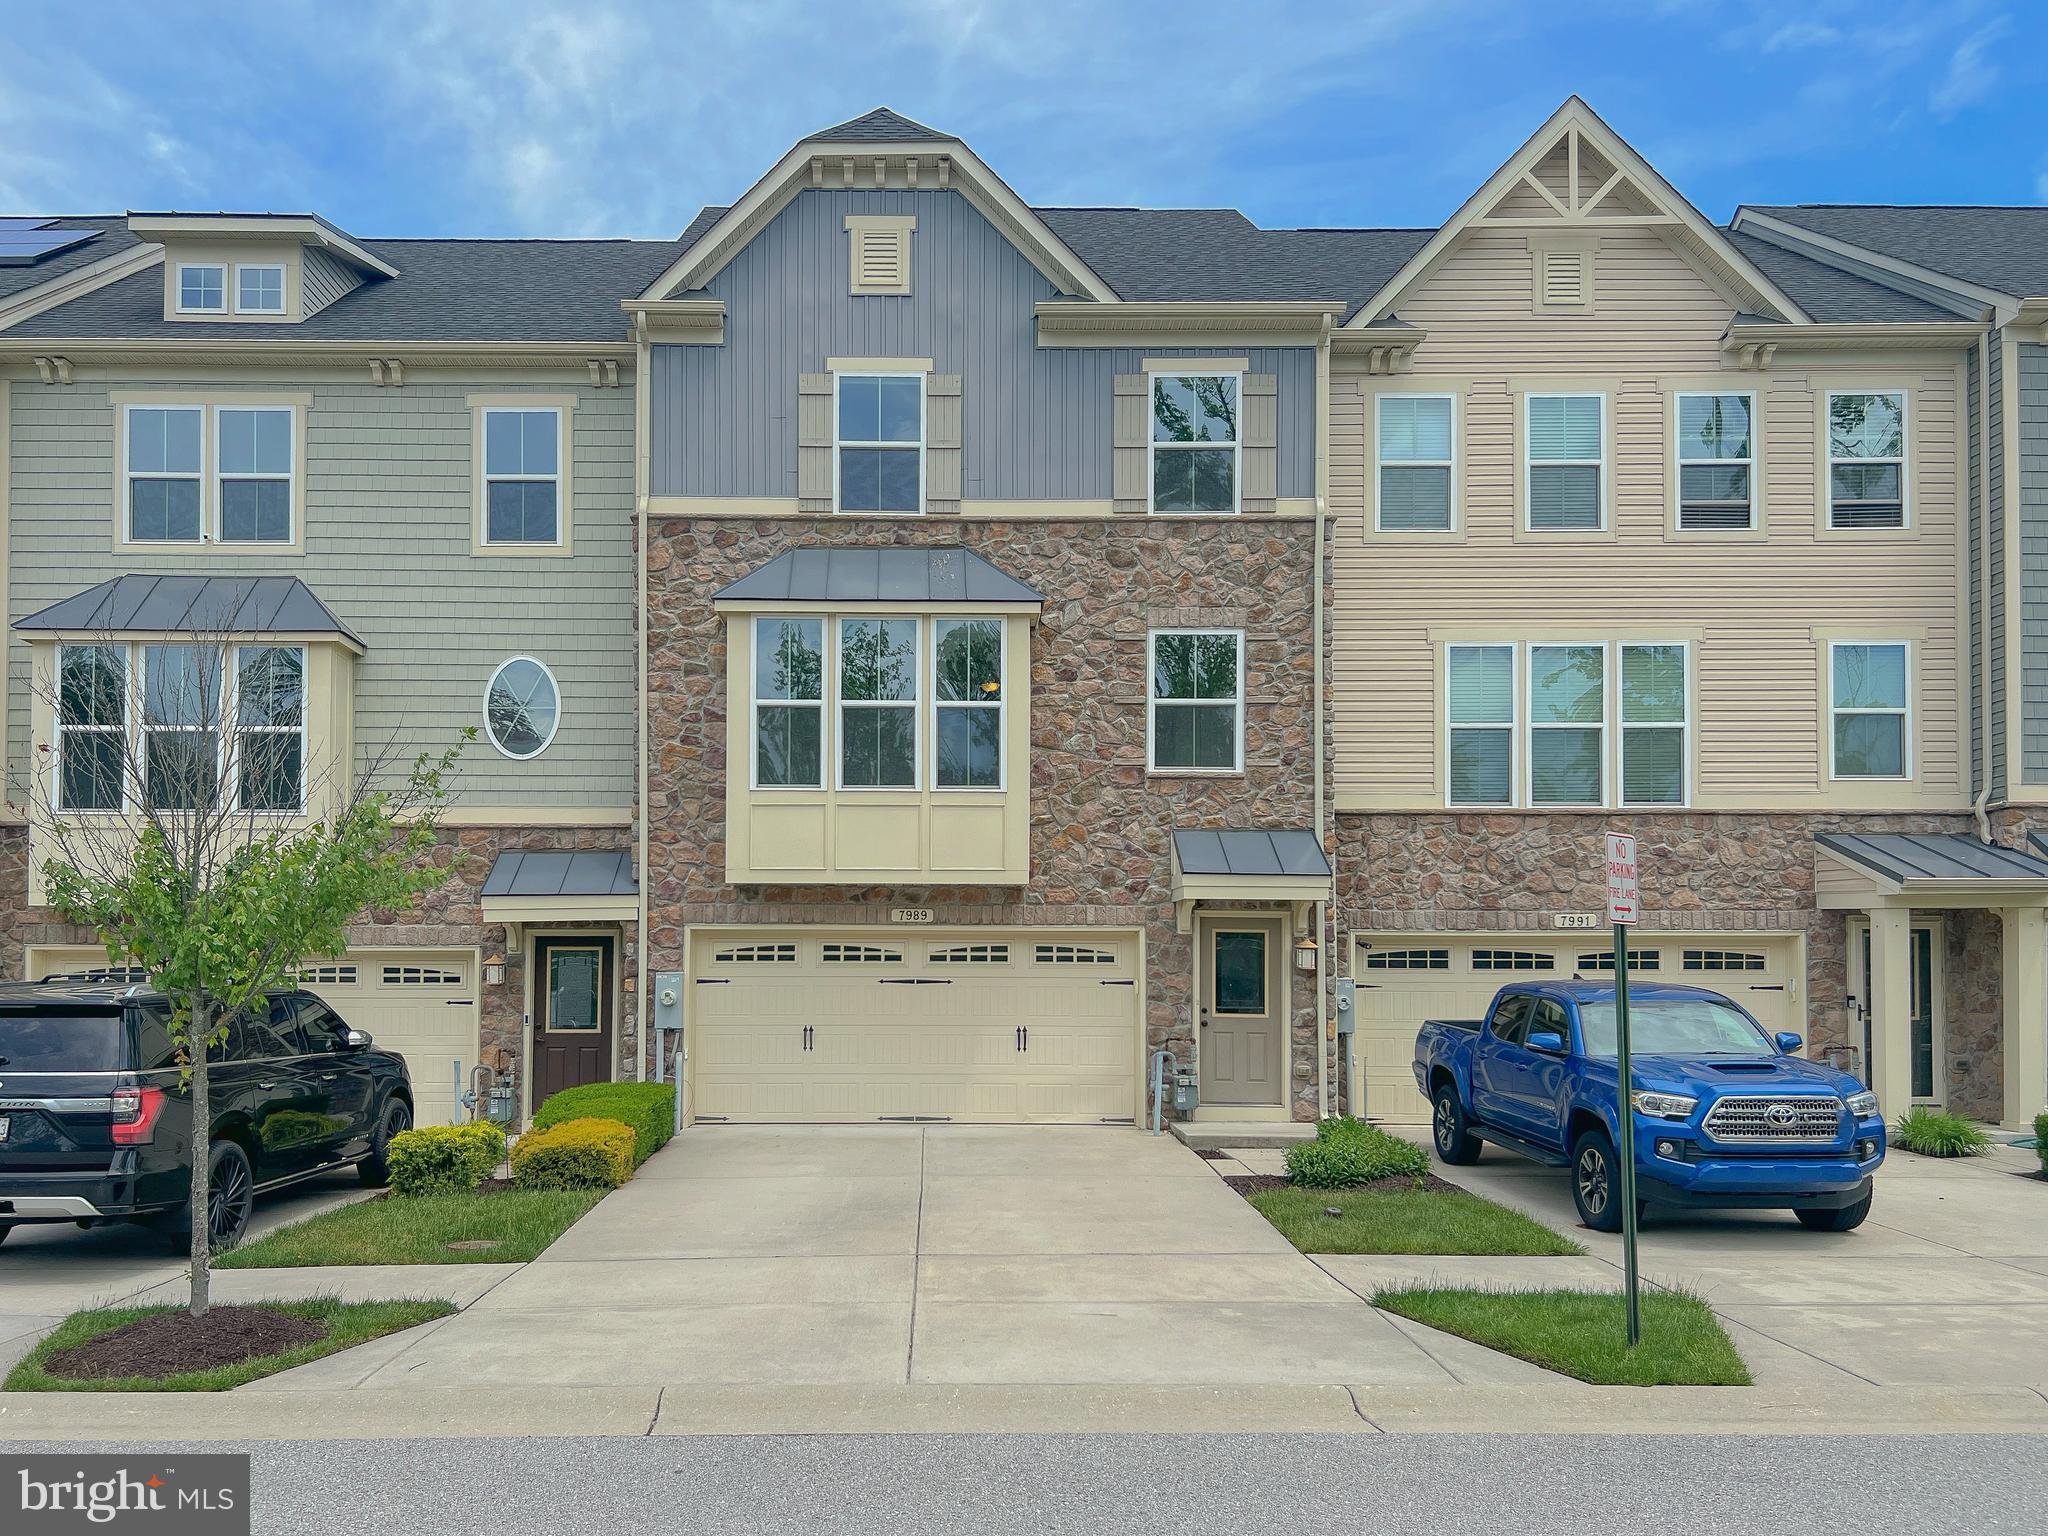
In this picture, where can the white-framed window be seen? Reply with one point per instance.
(1195, 441)
(1479, 701)
(522, 475)
(1567, 693)
(254, 492)
(1195, 720)
(1415, 442)
(1565, 443)
(522, 708)
(1538, 724)
(202, 288)
(1870, 733)
(1716, 461)
(1866, 458)
(877, 703)
(270, 727)
(1655, 719)
(259, 288)
(92, 728)
(789, 703)
(878, 442)
(163, 498)
(181, 715)
(967, 703)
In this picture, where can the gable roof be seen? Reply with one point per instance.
(2005, 249)
(931, 573)
(1576, 122)
(880, 126)
(223, 605)
(447, 290)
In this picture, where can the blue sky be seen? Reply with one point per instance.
(622, 117)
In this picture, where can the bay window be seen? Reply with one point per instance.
(967, 668)
(181, 710)
(789, 694)
(92, 727)
(270, 726)
(877, 703)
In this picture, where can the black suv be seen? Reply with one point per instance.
(94, 1126)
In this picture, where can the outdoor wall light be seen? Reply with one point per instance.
(494, 970)
(1305, 952)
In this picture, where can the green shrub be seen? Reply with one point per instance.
(575, 1154)
(1934, 1134)
(1348, 1152)
(648, 1108)
(2041, 1142)
(445, 1159)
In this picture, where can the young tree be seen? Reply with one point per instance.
(184, 824)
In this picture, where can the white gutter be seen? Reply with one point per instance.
(643, 449)
(1983, 799)
(1322, 908)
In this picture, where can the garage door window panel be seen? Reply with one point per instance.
(1567, 724)
(1197, 720)
(878, 703)
(789, 709)
(1481, 737)
(967, 668)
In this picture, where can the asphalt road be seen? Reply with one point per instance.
(1500, 1485)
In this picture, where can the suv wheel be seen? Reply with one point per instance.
(375, 1169)
(230, 1195)
(1596, 1182)
(1455, 1144)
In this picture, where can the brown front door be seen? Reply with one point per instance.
(1241, 1007)
(572, 1013)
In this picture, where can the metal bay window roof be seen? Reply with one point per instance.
(938, 573)
(197, 605)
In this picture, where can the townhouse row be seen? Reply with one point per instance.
(937, 652)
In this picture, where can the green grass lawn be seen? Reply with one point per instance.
(1404, 1221)
(418, 1231)
(1583, 1333)
(348, 1323)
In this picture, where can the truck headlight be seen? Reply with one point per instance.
(1663, 1106)
(1862, 1105)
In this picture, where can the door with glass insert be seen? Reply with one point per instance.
(572, 1013)
(1925, 987)
(1240, 1011)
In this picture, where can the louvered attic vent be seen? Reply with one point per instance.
(880, 250)
(1564, 279)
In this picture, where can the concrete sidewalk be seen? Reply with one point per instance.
(866, 1257)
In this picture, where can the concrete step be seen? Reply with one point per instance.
(1228, 1135)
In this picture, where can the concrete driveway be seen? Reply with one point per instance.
(1945, 1284)
(49, 1272)
(877, 1256)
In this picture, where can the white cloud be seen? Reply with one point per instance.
(1972, 72)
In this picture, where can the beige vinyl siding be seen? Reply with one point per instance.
(389, 508)
(1758, 611)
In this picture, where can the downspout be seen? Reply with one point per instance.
(1322, 909)
(643, 448)
(1983, 797)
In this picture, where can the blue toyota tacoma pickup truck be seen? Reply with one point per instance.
(1725, 1114)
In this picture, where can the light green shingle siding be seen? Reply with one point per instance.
(389, 511)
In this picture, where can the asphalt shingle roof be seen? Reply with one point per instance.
(881, 126)
(202, 605)
(446, 290)
(113, 237)
(2000, 248)
(1830, 295)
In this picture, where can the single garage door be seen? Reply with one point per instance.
(421, 1003)
(1403, 979)
(862, 1025)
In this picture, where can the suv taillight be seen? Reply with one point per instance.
(136, 1112)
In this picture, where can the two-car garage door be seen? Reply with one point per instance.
(421, 1003)
(790, 1024)
(1403, 979)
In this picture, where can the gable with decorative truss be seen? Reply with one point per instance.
(1572, 182)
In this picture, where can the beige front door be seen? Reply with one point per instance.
(1241, 1011)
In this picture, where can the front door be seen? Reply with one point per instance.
(572, 1013)
(1924, 986)
(1241, 1009)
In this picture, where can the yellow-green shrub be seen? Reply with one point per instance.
(576, 1154)
(444, 1159)
(649, 1108)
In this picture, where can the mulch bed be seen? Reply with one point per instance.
(1212, 1154)
(172, 1343)
(1258, 1183)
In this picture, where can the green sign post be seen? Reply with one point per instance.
(1623, 901)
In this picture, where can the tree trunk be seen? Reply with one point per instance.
(201, 1028)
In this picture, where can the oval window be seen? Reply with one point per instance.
(522, 707)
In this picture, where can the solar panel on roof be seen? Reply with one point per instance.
(24, 242)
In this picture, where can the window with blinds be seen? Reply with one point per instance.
(1867, 460)
(1416, 464)
(1716, 463)
(1565, 444)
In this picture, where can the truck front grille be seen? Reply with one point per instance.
(1773, 1117)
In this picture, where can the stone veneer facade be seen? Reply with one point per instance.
(448, 918)
(1101, 826)
(1701, 871)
